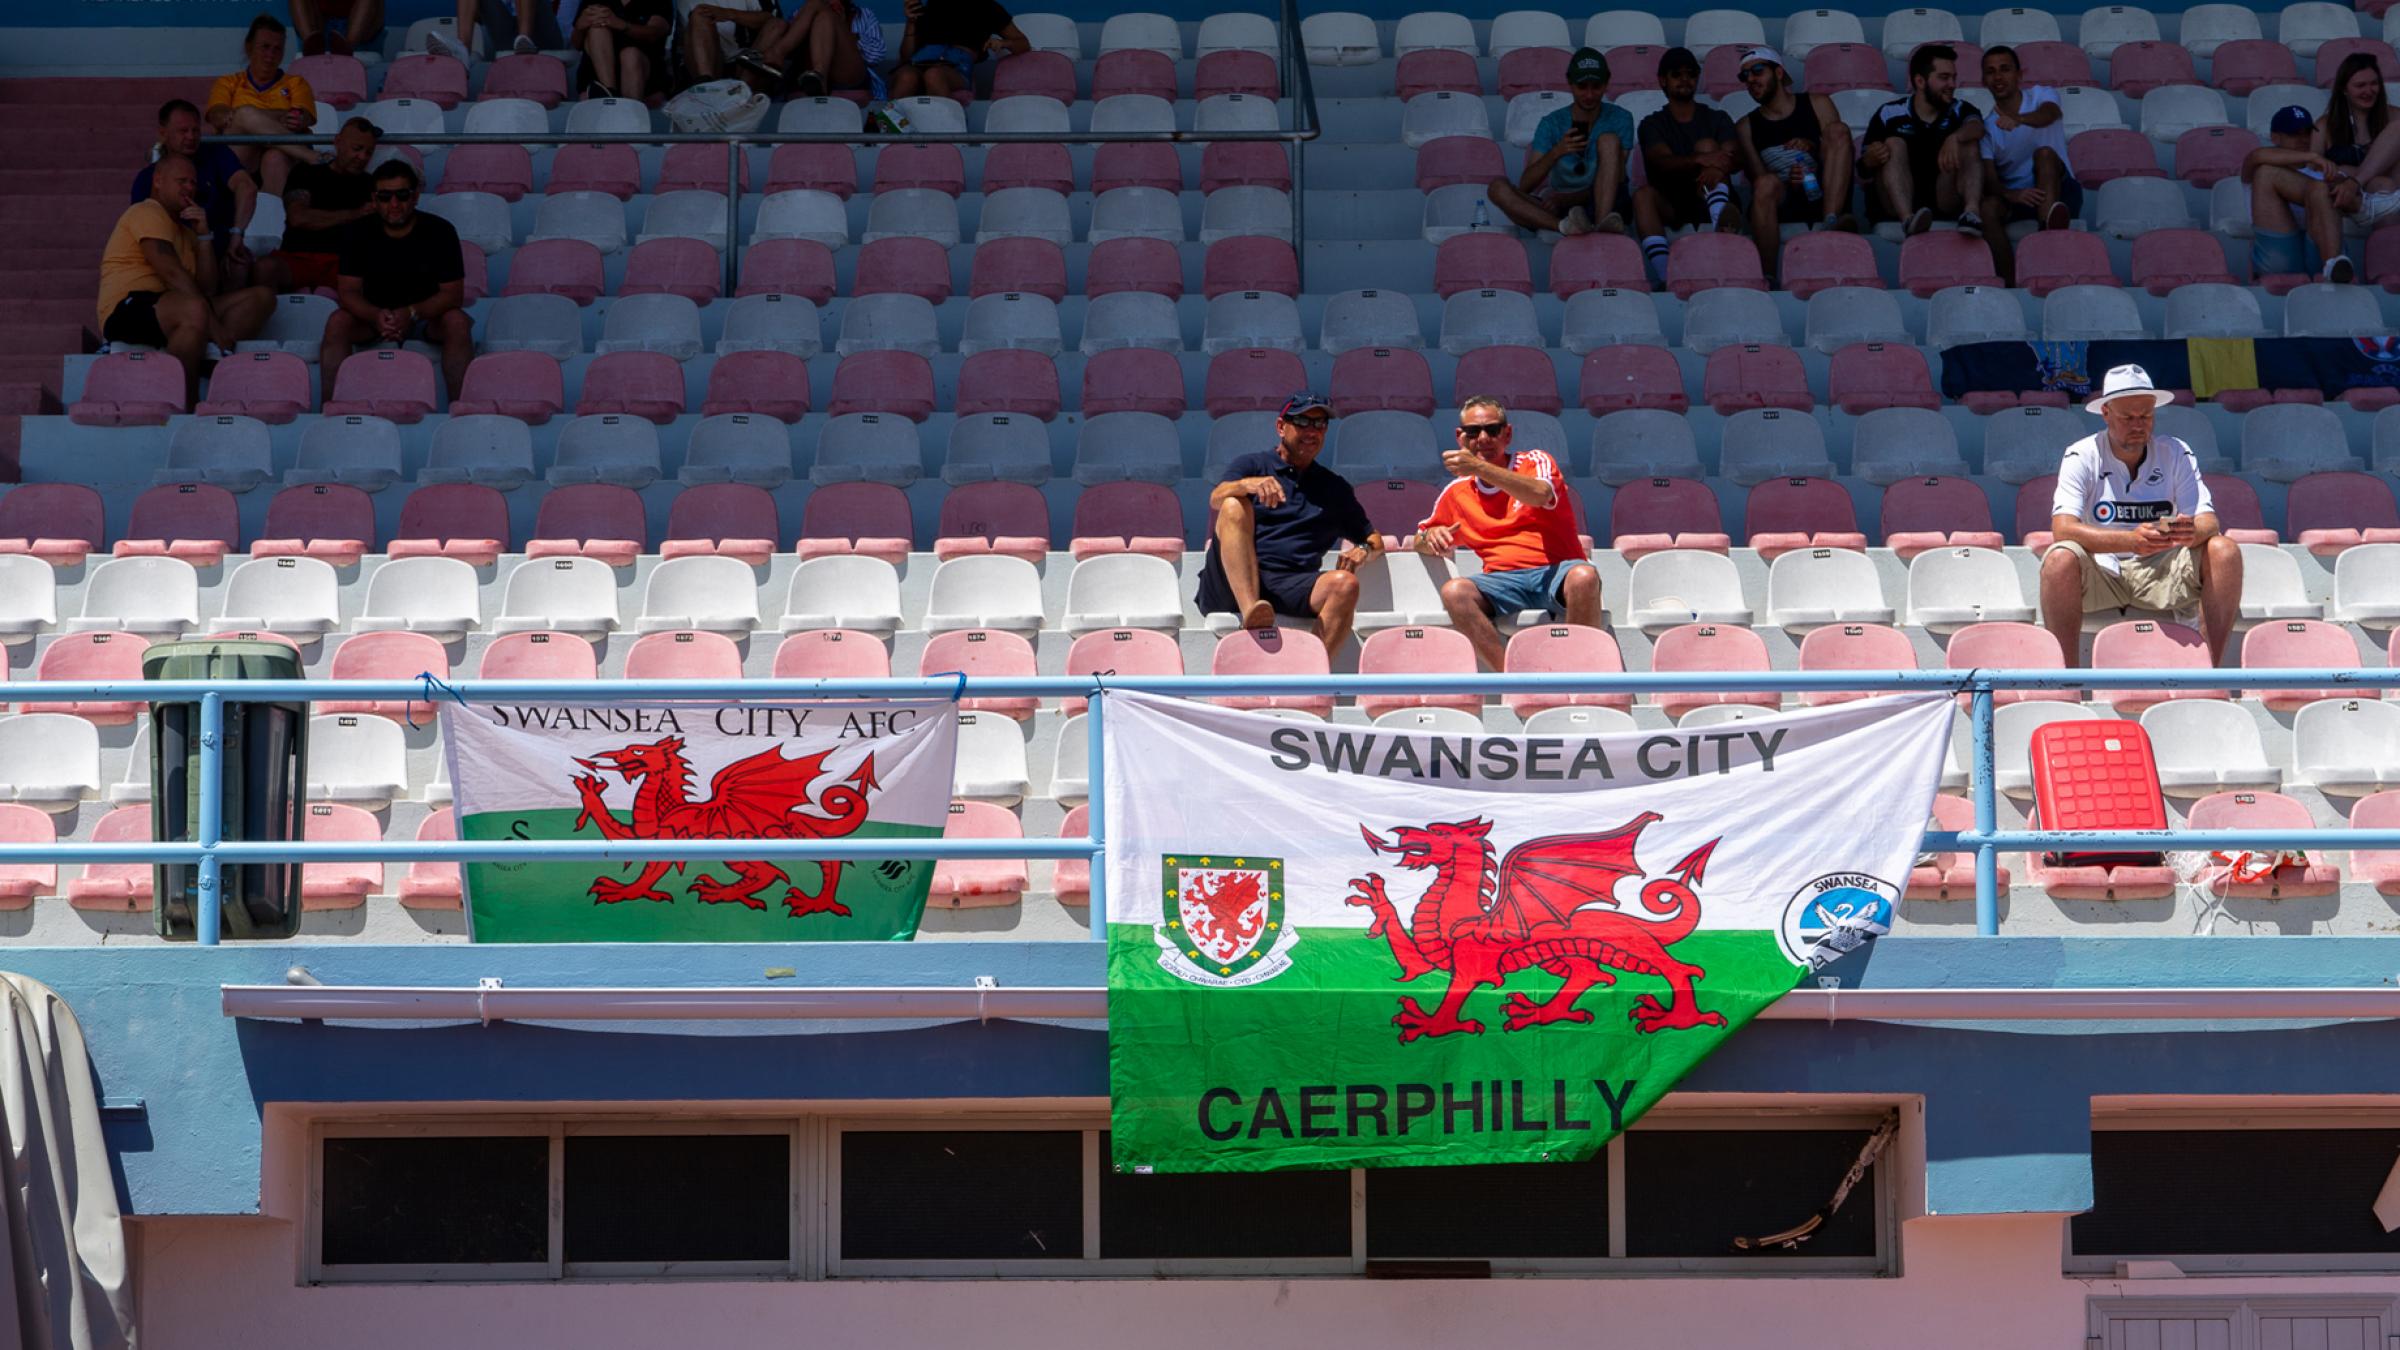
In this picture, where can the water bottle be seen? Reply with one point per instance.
(1483, 216)
(1810, 185)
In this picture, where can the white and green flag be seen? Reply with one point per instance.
(1332, 946)
(700, 770)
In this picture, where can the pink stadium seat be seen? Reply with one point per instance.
(528, 386)
(1865, 376)
(2320, 875)
(1785, 514)
(1653, 515)
(115, 887)
(2050, 259)
(978, 883)
(1712, 647)
(683, 654)
(386, 656)
(331, 521)
(2285, 644)
(832, 654)
(2105, 154)
(1127, 518)
(2166, 259)
(2055, 63)
(1699, 262)
(1721, 70)
(2383, 257)
(1250, 262)
(728, 520)
(1395, 506)
(568, 267)
(2008, 646)
(1275, 652)
(1251, 379)
(1453, 160)
(937, 168)
(2145, 644)
(340, 885)
(429, 884)
(270, 386)
(537, 76)
(538, 656)
(1025, 266)
(1634, 66)
(1226, 164)
(1938, 259)
(2205, 155)
(2136, 68)
(1604, 261)
(20, 882)
(1382, 379)
(1920, 514)
(1839, 67)
(904, 265)
(338, 80)
(1853, 646)
(92, 656)
(505, 171)
(2329, 512)
(633, 384)
(1950, 876)
(1232, 72)
(396, 385)
(900, 383)
(2252, 63)
(2337, 50)
(687, 168)
(674, 266)
(983, 653)
(769, 384)
(1136, 164)
(2034, 498)
(1481, 261)
(1150, 265)
(1520, 377)
(130, 389)
(1010, 380)
(1133, 71)
(1048, 74)
(439, 80)
(1613, 379)
(1045, 165)
(2379, 867)
(1530, 70)
(1816, 262)
(1970, 63)
(867, 519)
(1137, 379)
(467, 521)
(197, 522)
(1434, 71)
(1561, 649)
(590, 520)
(1417, 651)
(60, 523)
(2239, 514)
(817, 168)
(1754, 376)
(1121, 651)
(612, 169)
(801, 267)
(1008, 519)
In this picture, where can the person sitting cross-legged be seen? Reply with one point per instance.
(264, 99)
(403, 277)
(159, 284)
(1512, 510)
(1574, 180)
(1275, 516)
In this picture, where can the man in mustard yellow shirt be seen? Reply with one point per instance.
(264, 99)
(158, 277)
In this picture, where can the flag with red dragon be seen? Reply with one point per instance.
(649, 774)
(1342, 946)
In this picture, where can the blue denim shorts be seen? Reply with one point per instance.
(961, 57)
(1507, 593)
(2294, 252)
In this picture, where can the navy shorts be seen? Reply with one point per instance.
(962, 59)
(1287, 591)
(1510, 593)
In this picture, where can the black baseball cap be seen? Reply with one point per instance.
(1587, 66)
(1305, 402)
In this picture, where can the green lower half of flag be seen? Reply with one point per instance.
(557, 902)
(1308, 1068)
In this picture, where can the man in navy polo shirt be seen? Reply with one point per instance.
(1276, 515)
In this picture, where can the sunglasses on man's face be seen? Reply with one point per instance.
(395, 194)
(1754, 72)
(1472, 430)
(1310, 423)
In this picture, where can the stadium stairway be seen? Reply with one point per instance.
(61, 142)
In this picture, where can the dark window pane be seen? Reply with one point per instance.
(1192, 1215)
(962, 1195)
(1501, 1210)
(449, 1200)
(678, 1197)
(2203, 1192)
(1692, 1192)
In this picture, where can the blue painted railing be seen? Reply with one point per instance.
(210, 850)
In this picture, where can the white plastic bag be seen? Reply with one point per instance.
(718, 105)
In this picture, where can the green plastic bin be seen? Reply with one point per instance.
(264, 776)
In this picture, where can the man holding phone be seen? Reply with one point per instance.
(1574, 180)
(2135, 526)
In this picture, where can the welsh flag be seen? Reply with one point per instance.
(700, 770)
(1331, 946)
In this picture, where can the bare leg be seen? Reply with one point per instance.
(1529, 212)
(907, 81)
(1898, 186)
(273, 163)
(1840, 159)
(2050, 175)
(1611, 153)
(307, 26)
(942, 80)
(1335, 600)
(599, 48)
(1766, 222)
(1464, 600)
(829, 47)
(242, 313)
(1580, 593)
(2062, 601)
(2375, 172)
(633, 73)
(366, 23)
(343, 332)
(703, 59)
(455, 332)
(184, 319)
(1237, 555)
(2220, 562)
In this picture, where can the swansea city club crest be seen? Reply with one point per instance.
(1221, 919)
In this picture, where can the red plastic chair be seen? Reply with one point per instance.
(1047, 74)
(2008, 646)
(1136, 379)
(197, 522)
(1839, 67)
(2050, 259)
(386, 656)
(2248, 64)
(1450, 161)
(1008, 519)
(977, 883)
(683, 654)
(79, 657)
(2054, 63)
(1613, 379)
(1250, 263)
(331, 521)
(1121, 651)
(2166, 259)
(686, 168)
(1865, 376)
(2334, 51)
(1481, 261)
(798, 267)
(1652, 515)
(270, 386)
(505, 171)
(1244, 164)
(1417, 651)
(1522, 378)
(528, 386)
(1608, 262)
(869, 520)
(1150, 265)
(1558, 649)
(937, 168)
(396, 385)
(613, 169)
(2329, 512)
(2239, 514)
(1029, 165)
(1236, 72)
(1025, 266)
(983, 653)
(1530, 70)
(1726, 648)
(1938, 259)
(439, 80)
(130, 389)
(900, 383)
(2206, 155)
(60, 523)
(2285, 644)
(2145, 644)
(1382, 379)
(1817, 262)
(2105, 154)
(765, 383)
(674, 266)
(1751, 375)
(832, 654)
(647, 385)
(2320, 875)
(1010, 380)
(1127, 518)
(816, 168)
(726, 520)
(1699, 262)
(1251, 379)
(2136, 68)
(466, 521)
(1136, 164)
(1922, 514)
(1283, 652)
(903, 265)
(1435, 71)
(1131, 70)
(338, 80)
(1787, 514)
(590, 520)
(1853, 646)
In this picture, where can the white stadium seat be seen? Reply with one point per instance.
(156, 597)
(984, 591)
(297, 597)
(560, 595)
(1950, 588)
(1679, 585)
(357, 759)
(705, 593)
(434, 596)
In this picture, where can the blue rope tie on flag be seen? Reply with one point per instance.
(434, 686)
(958, 691)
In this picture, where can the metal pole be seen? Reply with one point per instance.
(733, 213)
(1986, 792)
(211, 825)
(1095, 811)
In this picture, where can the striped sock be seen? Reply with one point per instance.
(1654, 249)
(1718, 197)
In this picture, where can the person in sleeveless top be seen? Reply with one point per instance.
(1786, 138)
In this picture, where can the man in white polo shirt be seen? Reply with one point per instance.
(2135, 526)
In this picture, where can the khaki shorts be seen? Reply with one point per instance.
(2166, 582)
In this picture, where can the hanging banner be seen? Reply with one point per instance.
(700, 770)
(1331, 946)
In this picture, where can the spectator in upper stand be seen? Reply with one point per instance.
(945, 38)
(2285, 174)
(263, 99)
(1924, 156)
(403, 277)
(1688, 149)
(1574, 179)
(159, 280)
(712, 36)
(834, 45)
(1273, 519)
(2025, 148)
(364, 25)
(321, 202)
(227, 193)
(624, 43)
(525, 27)
(1788, 139)
(1513, 511)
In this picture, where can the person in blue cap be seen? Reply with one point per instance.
(1574, 180)
(1272, 521)
(2286, 174)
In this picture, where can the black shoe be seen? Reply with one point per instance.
(811, 85)
(1970, 223)
(751, 58)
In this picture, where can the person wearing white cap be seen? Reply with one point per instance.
(2135, 526)
(1787, 141)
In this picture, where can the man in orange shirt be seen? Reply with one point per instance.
(1514, 512)
(264, 99)
(158, 277)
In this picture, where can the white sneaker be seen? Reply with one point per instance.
(1575, 222)
(2378, 208)
(2338, 270)
(525, 46)
(439, 43)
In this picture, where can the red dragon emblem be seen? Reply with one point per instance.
(1223, 913)
(1551, 904)
(761, 797)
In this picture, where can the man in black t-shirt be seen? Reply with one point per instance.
(1924, 156)
(403, 276)
(1273, 519)
(945, 38)
(320, 201)
(1689, 153)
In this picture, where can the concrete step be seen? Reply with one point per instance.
(12, 439)
(49, 283)
(70, 310)
(67, 182)
(40, 339)
(80, 120)
(144, 92)
(44, 373)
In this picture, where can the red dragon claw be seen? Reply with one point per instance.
(1523, 1012)
(800, 904)
(1649, 1016)
(1414, 1022)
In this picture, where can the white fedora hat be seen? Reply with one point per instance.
(2128, 382)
